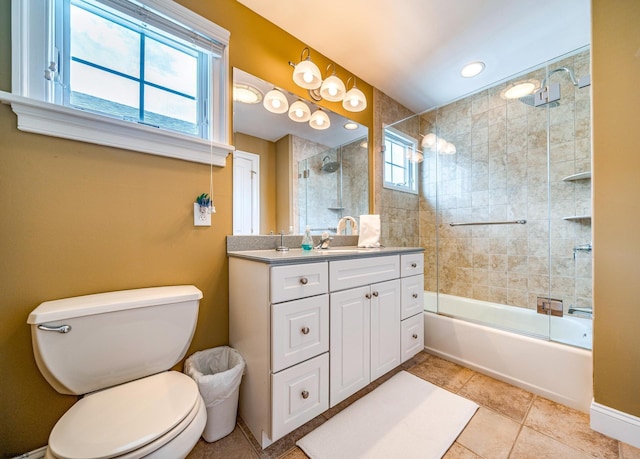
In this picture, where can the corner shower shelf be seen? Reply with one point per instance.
(577, 217)
(579, 176)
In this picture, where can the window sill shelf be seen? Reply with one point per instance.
(57, 121)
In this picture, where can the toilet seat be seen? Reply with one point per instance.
(128, 421)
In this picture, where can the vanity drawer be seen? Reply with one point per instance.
(299, 281)
(411, 336)
(299, 331)
(412, 296)
(299, 394)
(411, 264)
(344, 274)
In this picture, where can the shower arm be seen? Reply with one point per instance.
(560, 69)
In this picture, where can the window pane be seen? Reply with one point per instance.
(398, 176)
(397, 155)
(105, 43)
(170, 68)
(103, 91)
(170, 111)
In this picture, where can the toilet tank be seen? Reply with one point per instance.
(112, 337)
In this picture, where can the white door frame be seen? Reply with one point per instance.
(253, 194)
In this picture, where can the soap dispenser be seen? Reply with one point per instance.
(307, 241)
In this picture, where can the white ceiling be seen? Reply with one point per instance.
(413, 50)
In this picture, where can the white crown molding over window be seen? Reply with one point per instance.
(56, 121)
(32, 96)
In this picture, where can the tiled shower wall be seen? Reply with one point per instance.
(325, 197)
(501, 171)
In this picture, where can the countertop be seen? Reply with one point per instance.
(297, 255)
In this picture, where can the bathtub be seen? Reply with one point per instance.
(515, 348)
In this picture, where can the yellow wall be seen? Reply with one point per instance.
(616, 190)
(80, 218)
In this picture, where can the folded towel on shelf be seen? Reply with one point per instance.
(369, 231)
(342, 226)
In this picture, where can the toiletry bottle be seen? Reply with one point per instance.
(307, 241)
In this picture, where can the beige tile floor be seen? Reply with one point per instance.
(510, 423)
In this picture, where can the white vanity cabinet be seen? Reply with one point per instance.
(412, 317)
(365, 318)
(279, 322)
(313, 331)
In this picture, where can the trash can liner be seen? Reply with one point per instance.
(218, 373)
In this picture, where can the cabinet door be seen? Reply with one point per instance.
(349, 343)
(299, 331)
(412, 296)
(385, 327)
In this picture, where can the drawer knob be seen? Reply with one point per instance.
(414, 265)
(305, 394)
(304, 280)
(367, 296)
(415, 295)
(415, 336)
(305, 330)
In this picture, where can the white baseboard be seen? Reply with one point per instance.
(615, 424)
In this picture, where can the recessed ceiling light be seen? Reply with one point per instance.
(351, 126)
(246, 94)
(472, 69)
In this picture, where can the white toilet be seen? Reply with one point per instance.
(117, 348)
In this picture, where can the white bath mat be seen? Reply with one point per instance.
(406, 417)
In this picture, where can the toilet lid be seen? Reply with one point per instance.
(124, 418)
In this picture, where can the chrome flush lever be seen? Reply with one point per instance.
(60, 329)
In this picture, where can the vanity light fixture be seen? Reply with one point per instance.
(434, 143)
(246, 93)
(319, 120)
(306, 74)
(354, 100)
(299, 111)
(472, 69)
(275, 101)
(332, 88)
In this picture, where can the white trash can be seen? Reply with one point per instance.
(218, 373)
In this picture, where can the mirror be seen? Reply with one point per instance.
(308, 177)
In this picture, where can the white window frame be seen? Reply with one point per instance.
(31, 97)
(411, 167)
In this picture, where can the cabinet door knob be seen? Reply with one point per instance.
(305, 330)
(415, 336)
(415, 295)
(367, 296)
(305, 394)
(304, 280)
(375, 294)
(414, 265)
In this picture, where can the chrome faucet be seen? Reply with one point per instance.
(582, 248)
(324, 241)
(586, 311)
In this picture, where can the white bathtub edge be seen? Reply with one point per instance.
(555, 371)
(615, 424)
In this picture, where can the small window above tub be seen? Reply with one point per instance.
(401, 157)
(143, 75)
